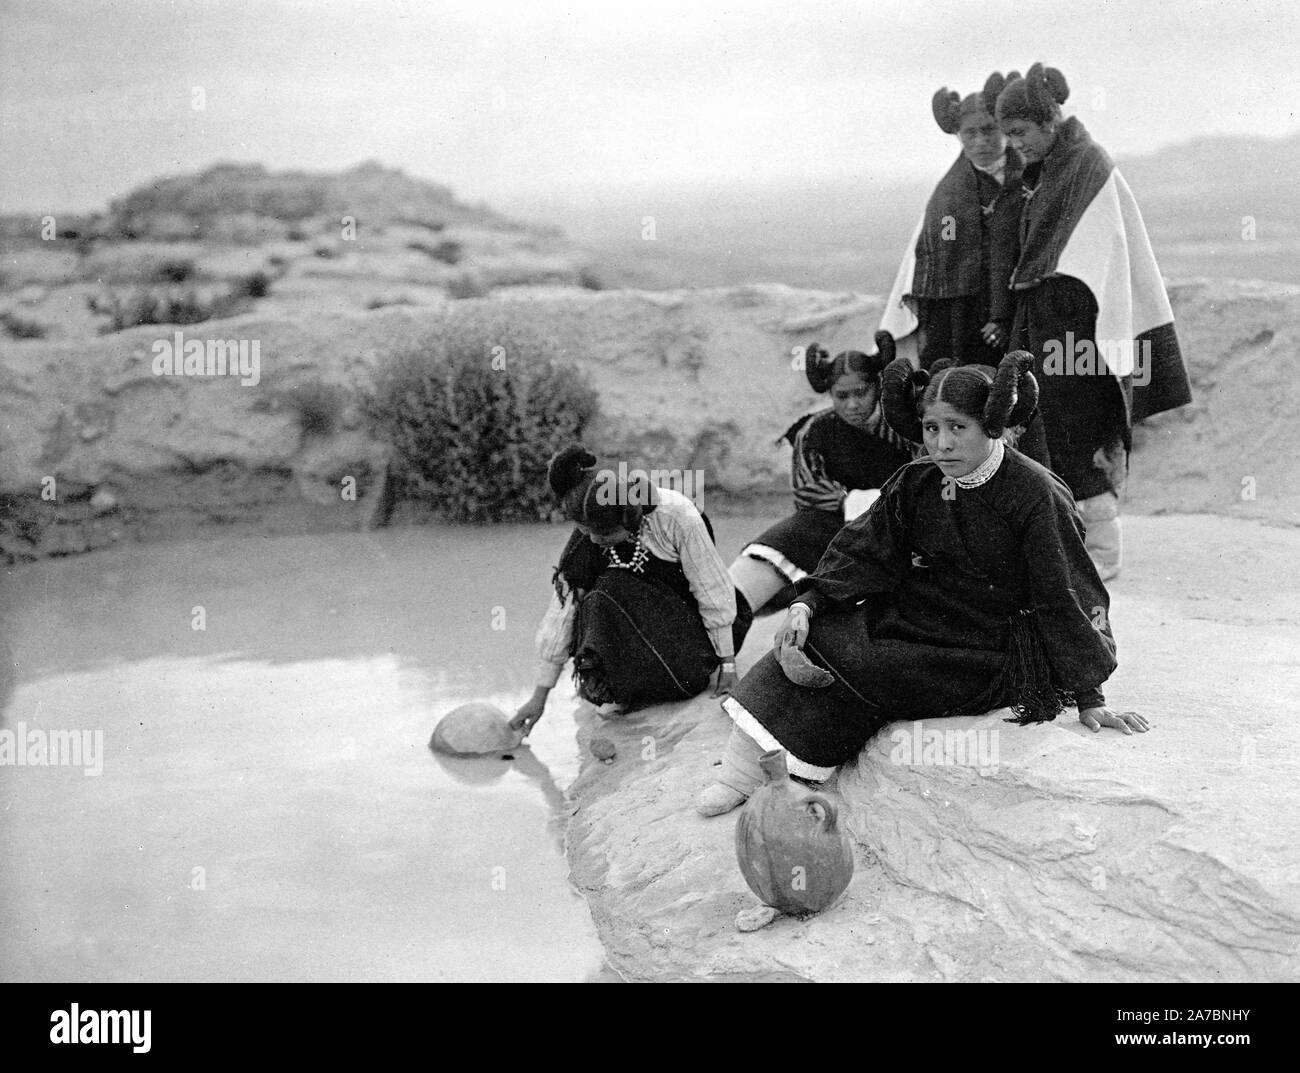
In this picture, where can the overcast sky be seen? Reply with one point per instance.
(505, 99)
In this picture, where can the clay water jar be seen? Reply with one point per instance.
(475, 729)
(792, 850)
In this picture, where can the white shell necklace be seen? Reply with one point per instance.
(639, 556)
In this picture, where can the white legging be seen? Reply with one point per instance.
(759, 581)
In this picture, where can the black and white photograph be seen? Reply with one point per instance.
(575, 492)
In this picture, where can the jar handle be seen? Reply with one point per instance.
(830, 811)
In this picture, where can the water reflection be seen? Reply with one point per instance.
(268, 808)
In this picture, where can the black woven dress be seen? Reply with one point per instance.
(939, 601)
(638, 638)
(830, 458)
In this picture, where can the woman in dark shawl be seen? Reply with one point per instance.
(642, 603)
(847, 449)
(952, 286)
(965, 587)
(1090, 306)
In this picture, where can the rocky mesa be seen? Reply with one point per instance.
(686, 379)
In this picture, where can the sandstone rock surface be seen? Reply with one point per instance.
(1051, 853)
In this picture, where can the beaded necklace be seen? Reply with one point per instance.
(639, 556)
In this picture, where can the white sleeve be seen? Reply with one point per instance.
(858, 500)
(711, 585)
(554, 638)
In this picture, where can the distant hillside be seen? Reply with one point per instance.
(849, 235)
(203, 205)
(237, 237)
(1222, 206)
(1212, 167)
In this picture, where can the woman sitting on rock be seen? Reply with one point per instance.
(846, 449)
(966, 587)
(642, 603)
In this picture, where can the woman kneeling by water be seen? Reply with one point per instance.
(965, 588)
(643, 603)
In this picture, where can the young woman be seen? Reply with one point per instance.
(1090, 306)
(642, 604)
(965, 588)
(845, 449)
(952, 288)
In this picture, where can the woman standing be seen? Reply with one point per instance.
(642, 604)
(848, 448)
(1090, 306)
(952, 288)
(966, 587)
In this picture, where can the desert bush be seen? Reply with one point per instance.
(589, 280)
(19, 327)
(469, 440)
(448, 251)
(164, 307)
(429, 225)
(319, 405)
(467, 285)
(173, 270)
(253, 285)
(383, 301)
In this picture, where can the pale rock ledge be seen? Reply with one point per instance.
(1169, 856)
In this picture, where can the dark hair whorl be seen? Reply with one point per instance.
(901, 388)
(886, 348)
(994, 85)
(568, 468)
(946, 106)
(819, 368)
(1012, 395)
(1026, 401)
(1046, 89)
(1056, 85)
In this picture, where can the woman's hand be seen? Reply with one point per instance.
(790, 640)
(994, 334)
(1096, 718)
(726, 680)
(794, 630)
(530, 711)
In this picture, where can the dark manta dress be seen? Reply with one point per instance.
(638, 638)
(1084, 423)
(827, 451)
(943, 601)
(964, 257)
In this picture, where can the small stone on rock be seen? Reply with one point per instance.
(103, 501)
(755, 917)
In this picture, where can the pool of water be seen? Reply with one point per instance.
(253, 798)
(217, 763)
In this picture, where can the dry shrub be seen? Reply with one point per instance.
(473, 417)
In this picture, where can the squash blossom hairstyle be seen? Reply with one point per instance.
(949, 109)
(1037, 97)
(822, 370)
(998, 398)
